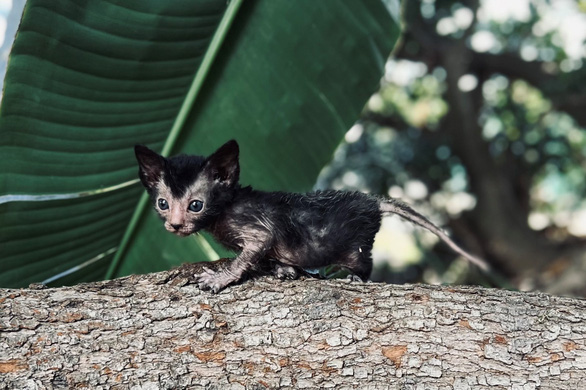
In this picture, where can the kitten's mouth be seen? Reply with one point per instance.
(181, 232)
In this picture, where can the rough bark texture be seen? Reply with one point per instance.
(158, 331)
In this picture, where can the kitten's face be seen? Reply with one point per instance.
(189, 192)
(184, 212)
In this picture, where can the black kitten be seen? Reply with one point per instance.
(293, 231)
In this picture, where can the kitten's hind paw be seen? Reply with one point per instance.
(214, 281)
(355, 278)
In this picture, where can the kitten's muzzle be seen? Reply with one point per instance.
(179, 229)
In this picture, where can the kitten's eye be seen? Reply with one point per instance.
(196, 206)
(163, 205)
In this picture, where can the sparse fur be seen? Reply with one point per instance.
(292, 231)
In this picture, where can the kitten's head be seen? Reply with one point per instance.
(189, 192)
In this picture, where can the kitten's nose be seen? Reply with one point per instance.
(177, 226)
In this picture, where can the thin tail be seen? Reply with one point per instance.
(395, 206)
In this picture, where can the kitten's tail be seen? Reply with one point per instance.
(394, 206)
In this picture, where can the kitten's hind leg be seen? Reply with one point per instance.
(359, 263)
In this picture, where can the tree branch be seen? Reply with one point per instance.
(158, 331)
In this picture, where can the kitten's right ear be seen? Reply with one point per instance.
(150, 164)
(224, 163)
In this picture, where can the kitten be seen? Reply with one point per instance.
(294, 231)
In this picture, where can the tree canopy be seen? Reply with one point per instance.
(479, 121)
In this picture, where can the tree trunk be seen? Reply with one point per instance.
(498, 216)
(158, 331)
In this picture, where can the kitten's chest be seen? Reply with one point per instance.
(225, 230)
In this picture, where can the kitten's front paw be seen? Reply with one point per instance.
(211, 280)
(285, 272)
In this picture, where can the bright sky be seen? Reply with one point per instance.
(5, 7)
(563, 16)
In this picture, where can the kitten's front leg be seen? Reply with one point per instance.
(215, 281)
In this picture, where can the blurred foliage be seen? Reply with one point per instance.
(400, 148)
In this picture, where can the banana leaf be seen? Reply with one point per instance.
(89, 79)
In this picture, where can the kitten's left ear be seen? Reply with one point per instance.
(151, 166)
(224, 163)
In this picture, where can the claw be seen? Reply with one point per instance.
(285, 272)
(211, 280)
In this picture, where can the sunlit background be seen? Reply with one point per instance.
(10, 12)
(399, 148)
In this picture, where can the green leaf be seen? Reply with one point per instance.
(87, 80)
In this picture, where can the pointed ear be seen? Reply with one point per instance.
(150, 166)
(223, 163)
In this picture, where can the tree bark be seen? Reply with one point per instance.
(158, 331)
